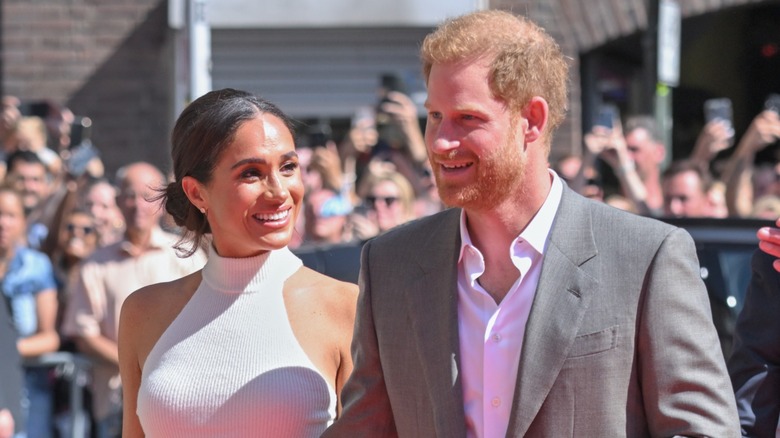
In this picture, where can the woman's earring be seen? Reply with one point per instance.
(203, 210)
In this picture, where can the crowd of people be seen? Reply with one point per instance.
(701, 185)
(75, 244)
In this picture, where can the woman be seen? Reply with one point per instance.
(255, 344)
(27, 283)
(77, 239)
(388, 199)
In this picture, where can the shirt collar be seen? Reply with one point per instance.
(157, 240)
(535, 233)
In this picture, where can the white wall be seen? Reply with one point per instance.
(334, 13)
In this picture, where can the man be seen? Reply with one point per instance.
(635, 159)
(686, 187)
(739, 171)
(647, 152)
(144, 256)
(31, 178)
(755, 363)
(530, 310)
(100, 200)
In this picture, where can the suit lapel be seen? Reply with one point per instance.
(432, 300)
(561, 299)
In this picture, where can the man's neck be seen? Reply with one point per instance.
(139, 240)
(655, 198)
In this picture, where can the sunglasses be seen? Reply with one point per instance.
(387, 200)
(86, 230)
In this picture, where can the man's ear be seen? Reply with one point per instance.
(536, 113)
(195, 193)
(660, 152)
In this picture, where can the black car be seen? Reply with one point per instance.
(724, 247)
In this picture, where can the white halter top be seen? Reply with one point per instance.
(229, 364)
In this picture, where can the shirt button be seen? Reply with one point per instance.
(496, 402)
(496, 337)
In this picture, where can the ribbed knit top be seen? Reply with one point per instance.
(229, 365)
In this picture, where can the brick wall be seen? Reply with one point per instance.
(107, 59)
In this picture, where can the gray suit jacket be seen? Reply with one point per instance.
(619, 342)
(755, 361)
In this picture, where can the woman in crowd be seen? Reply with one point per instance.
(388, 198)
(255, 344)
(27, 283)
(77, 239)
(326, 215)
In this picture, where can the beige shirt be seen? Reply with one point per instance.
(105, 280)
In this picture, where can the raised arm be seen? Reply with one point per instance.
(738, 174)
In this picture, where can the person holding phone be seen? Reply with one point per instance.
(717, 134)
(635, 158)
(762, 132)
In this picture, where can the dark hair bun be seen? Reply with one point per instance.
(178, 205)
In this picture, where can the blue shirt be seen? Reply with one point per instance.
(29, 273)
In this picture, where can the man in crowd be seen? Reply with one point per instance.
(635, 160)
(685, 187)
(144, 256)
(31, 178)
(529, 310)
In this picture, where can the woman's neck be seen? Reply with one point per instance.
(7, 254)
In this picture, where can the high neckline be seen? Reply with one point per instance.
(248, 274)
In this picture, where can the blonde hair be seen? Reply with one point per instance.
(526, 61)
(405, 190)
(33, 130)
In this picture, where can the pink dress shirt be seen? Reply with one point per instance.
(491, 335)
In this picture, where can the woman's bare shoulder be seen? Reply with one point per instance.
(326, 292)
(160, 299)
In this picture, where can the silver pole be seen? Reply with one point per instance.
(200, 49)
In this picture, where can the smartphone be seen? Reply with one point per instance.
(720, 109)
(388, 82)
(80, 156)
(387, 128)
(319, 135)
(391, 82)
(38, 108)
(80, 130)
(608, 115)
(772, 103)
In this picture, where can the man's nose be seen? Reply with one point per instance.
(443, 138)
